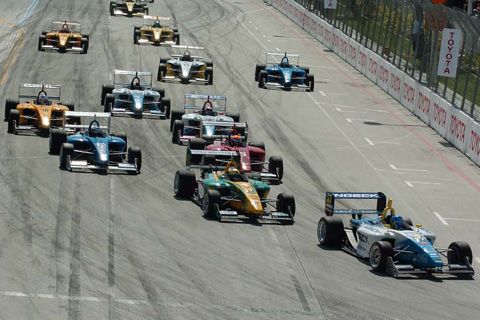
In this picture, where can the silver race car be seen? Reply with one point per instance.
(188, 67)
(132, 94)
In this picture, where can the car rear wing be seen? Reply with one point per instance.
(145, 78)
(164, 21)
(92, 115)
(31, 91)
(190, 152)
(330, 198)
(200, 49)
(276, 57)
(190, 102)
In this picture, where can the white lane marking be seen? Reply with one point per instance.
(369, 141)
(459, 219)
(425, 182)
(256, 28)
(257, 10)
(478, 259)
(264, 36)
(336, 94)
(364, 120)
(269, 40)
(403, 169)
(349, 120)
(323, 94)
(277, 48)
(322, 67)
(409, 184)
(440, 218)
(344, 111)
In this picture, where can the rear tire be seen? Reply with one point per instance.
(160, 91)
(13, 120)
(10, 104)
(458, 251)
(209, 75)
(135, 154)
(330, 231)
(177, 131)
(185, 184)
(165, 103)
(106, 89)
(275, 166)
(210, 202)
(65, 151)
(234, 116)
(176, 115)
(257, 144)
(262, 79)
(56, 139)
(162, 71)
(84, 45)
(310, 82)
(380, 251)
(41, 41)
(69, 105)
(306, 69)
(176, 38)
(258, 69)
(136, 36)
(197, 144)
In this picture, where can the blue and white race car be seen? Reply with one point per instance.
(93, 147)
(284, 75)
(390, 242)
(132, 94)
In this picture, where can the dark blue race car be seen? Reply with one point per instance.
(94, 148)
(284, 75)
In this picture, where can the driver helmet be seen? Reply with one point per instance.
(186, 56)
(43, 99)
(208, 111)
(285, 63)
(233, 171)
(236, 140)
(95, 132)
(156, 24)
(65, 28)
(396, 222)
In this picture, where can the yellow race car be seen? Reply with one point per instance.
(37, 109)
(128, 8)
(156, 31)
(64, 36)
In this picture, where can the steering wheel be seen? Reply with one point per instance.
(91, 128)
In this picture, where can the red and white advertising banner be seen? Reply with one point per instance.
(448, 60)
(343, 48)
(396, 83)
(440, 115)
(423, 104)
(336, 40)
(309, 23)
(327, 35)
(352, 52)
(320, 29)
(383, 79)
(409, 93)
(458, 129)
(330, 4)
(473, 150)
(362, 59)
(372, 66)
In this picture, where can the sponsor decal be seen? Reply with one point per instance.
(457, 128)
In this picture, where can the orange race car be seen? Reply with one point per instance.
(64, 36)
(35, 110)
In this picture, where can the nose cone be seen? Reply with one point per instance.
(156, 34)
(137, 101)
(186, 66)
(253, 205)
(287, 74)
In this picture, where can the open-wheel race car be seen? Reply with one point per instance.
(251, 156)
(156, 31)
(129, 8)
(230, 195)
(286, 74)
(187, 67)
(132, 94)
(37, 109)
(389, 241)
(92, 146)
(64, 36)
(204, 116)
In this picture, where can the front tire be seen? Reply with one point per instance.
(275, 166)
(162, 71)
(176, 115)
(185, 184)
(258, 69)
(177, 131)
(286, 203)
(106, 89)
(210, 203)
(66, 154)
(459, 252)
(56, 139)
(13, 121)
(262, 79)
(380, 251)
(109, 102)
(165, 104)
(310, 82)
(135, 157)
(10, 104)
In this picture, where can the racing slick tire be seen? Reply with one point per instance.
(306, 69)
(330, 231)
(177, 131)
(286, 203)
(184, 184)
(176, 115)
(458, 252)
(113, 6)
(106, 89)
(84, 45)
(136, 35)
(165, 103)
(13, 120)
(257, 144)
(65, 151)
(41, 41)
(209, 75)
(69, 105)
(162, 71)
(135, 153)
(208, 63)
(10, 104)
(275, 166)
(234, 116)
(176, 37)
(56, 139)
(197, 144)
(160, 91)
(44, 32)
(210, 202)
(258, 68)
(109, 101)
(163, 60)
(262, 78)
(379, 253)
(310, 81)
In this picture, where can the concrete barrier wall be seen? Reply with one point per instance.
(450, 123)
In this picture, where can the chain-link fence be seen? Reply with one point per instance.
(408, 34)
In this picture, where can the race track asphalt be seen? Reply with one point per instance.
(90, 246)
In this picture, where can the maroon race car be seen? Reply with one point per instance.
(251, 157)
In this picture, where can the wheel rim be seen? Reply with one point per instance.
(205, 203)
(321, 231)
(375, 256)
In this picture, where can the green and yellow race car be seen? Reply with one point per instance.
(230, 195)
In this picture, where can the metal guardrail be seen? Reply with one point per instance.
(408, 34)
